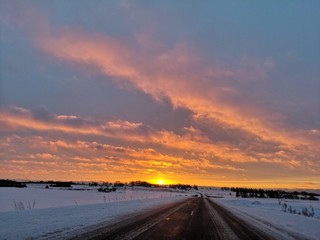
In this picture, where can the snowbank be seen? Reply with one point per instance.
(37, 197)
(58, 213)
(271, 212)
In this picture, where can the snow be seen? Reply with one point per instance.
(58, 213)
(269, 212)
(79, 195)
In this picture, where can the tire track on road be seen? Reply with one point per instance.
(130, 228)
(192, 219)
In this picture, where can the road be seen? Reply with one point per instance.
(196, 218)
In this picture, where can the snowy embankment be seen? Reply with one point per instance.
(54, 213)
(271, 212)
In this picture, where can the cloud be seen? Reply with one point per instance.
(41, 113)
(42, 120)
(228, 126)
(54, 147)
(209, 90)
(178, 150)
(194, 143)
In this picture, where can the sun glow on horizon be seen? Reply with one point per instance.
(161, 181)
(150, 107)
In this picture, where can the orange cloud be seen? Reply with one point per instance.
(23, 119)
(116, 129)
(189, 81)
(192, 144)
(81, 154)
(176, 73)
(82, 159)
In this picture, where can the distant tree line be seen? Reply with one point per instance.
(51, 183)
(280, 194)
(11, 183)
(104, 186)
(141, 184)
(174, 186)
(61, 184)
(180, 186)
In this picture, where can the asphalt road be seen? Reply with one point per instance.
(196, 218)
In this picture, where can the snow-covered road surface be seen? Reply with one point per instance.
(59, 214)
(195, 218)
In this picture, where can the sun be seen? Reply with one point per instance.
(161, 182)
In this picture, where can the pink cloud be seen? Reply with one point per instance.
(177, 73)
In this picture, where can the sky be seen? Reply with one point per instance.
(215, 93)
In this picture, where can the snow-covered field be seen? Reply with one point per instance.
(269, 212)
(56, 213)
(37, 195)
